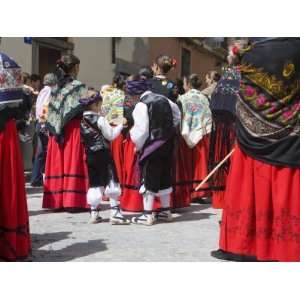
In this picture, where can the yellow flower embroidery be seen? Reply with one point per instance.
(288, 70)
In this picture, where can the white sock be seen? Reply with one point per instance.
(148, 201)
(165, 201)
(113, 202)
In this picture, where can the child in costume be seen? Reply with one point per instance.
(96, 135)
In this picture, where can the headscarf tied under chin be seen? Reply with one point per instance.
(137, 87)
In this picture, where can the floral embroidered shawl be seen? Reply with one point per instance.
(268, 108)
(64, 105)
(197, 119)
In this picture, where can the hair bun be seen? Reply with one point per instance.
(174, 62)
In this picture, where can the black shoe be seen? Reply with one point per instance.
(202, 200)
(224, 255)
(37, 184)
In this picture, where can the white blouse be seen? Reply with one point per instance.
(140, 131)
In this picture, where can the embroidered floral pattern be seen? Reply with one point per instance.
(282, 227)
(275, 87)
(279, 112)
(64, 102)
(113, 101)
(10, 82)
(197, 119)
(256, 126)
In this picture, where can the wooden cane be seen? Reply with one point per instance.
(214, 170)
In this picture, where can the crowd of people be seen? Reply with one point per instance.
(148, 144)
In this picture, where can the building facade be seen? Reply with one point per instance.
(193, 55)
(102, 57)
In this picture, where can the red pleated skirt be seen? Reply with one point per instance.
(218, 199)
(66, 175)
(220, 176)
(117, 149)
(184, 175)
(14, 221)
(131, 199)
(199, 155)
(262, 210)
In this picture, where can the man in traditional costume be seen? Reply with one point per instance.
(155, 121)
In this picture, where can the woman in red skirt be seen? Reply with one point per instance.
(261, 219)
(112, 109)
(222, 105)
(66, 180)
(196, 127)
(131, 199)
(14, 221)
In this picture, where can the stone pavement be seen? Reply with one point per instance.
(62, 236)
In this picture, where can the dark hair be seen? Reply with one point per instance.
(194, 81)
(214, 75)
(179, 85)
(64, 67)
(25, 77)
(165, 63)
(146, 73)
(119, 81)
(35, 77)
(67, 63)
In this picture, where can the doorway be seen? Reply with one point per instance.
(47, 60)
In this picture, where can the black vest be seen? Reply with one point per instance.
(160, 117)
(91, 135)
(163, 87)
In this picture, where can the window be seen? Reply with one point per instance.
(185, 62)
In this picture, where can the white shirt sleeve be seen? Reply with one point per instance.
(43, 96)
(176, 113)
(109, 132)
(140, 130)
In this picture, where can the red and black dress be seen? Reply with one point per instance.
(131, 199)
(66, 176)
(193, 147)
(222, 139)
(15, 241)
(261, 218)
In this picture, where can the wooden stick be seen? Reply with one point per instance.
(214, 170)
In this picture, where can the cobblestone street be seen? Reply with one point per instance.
(61, 236)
